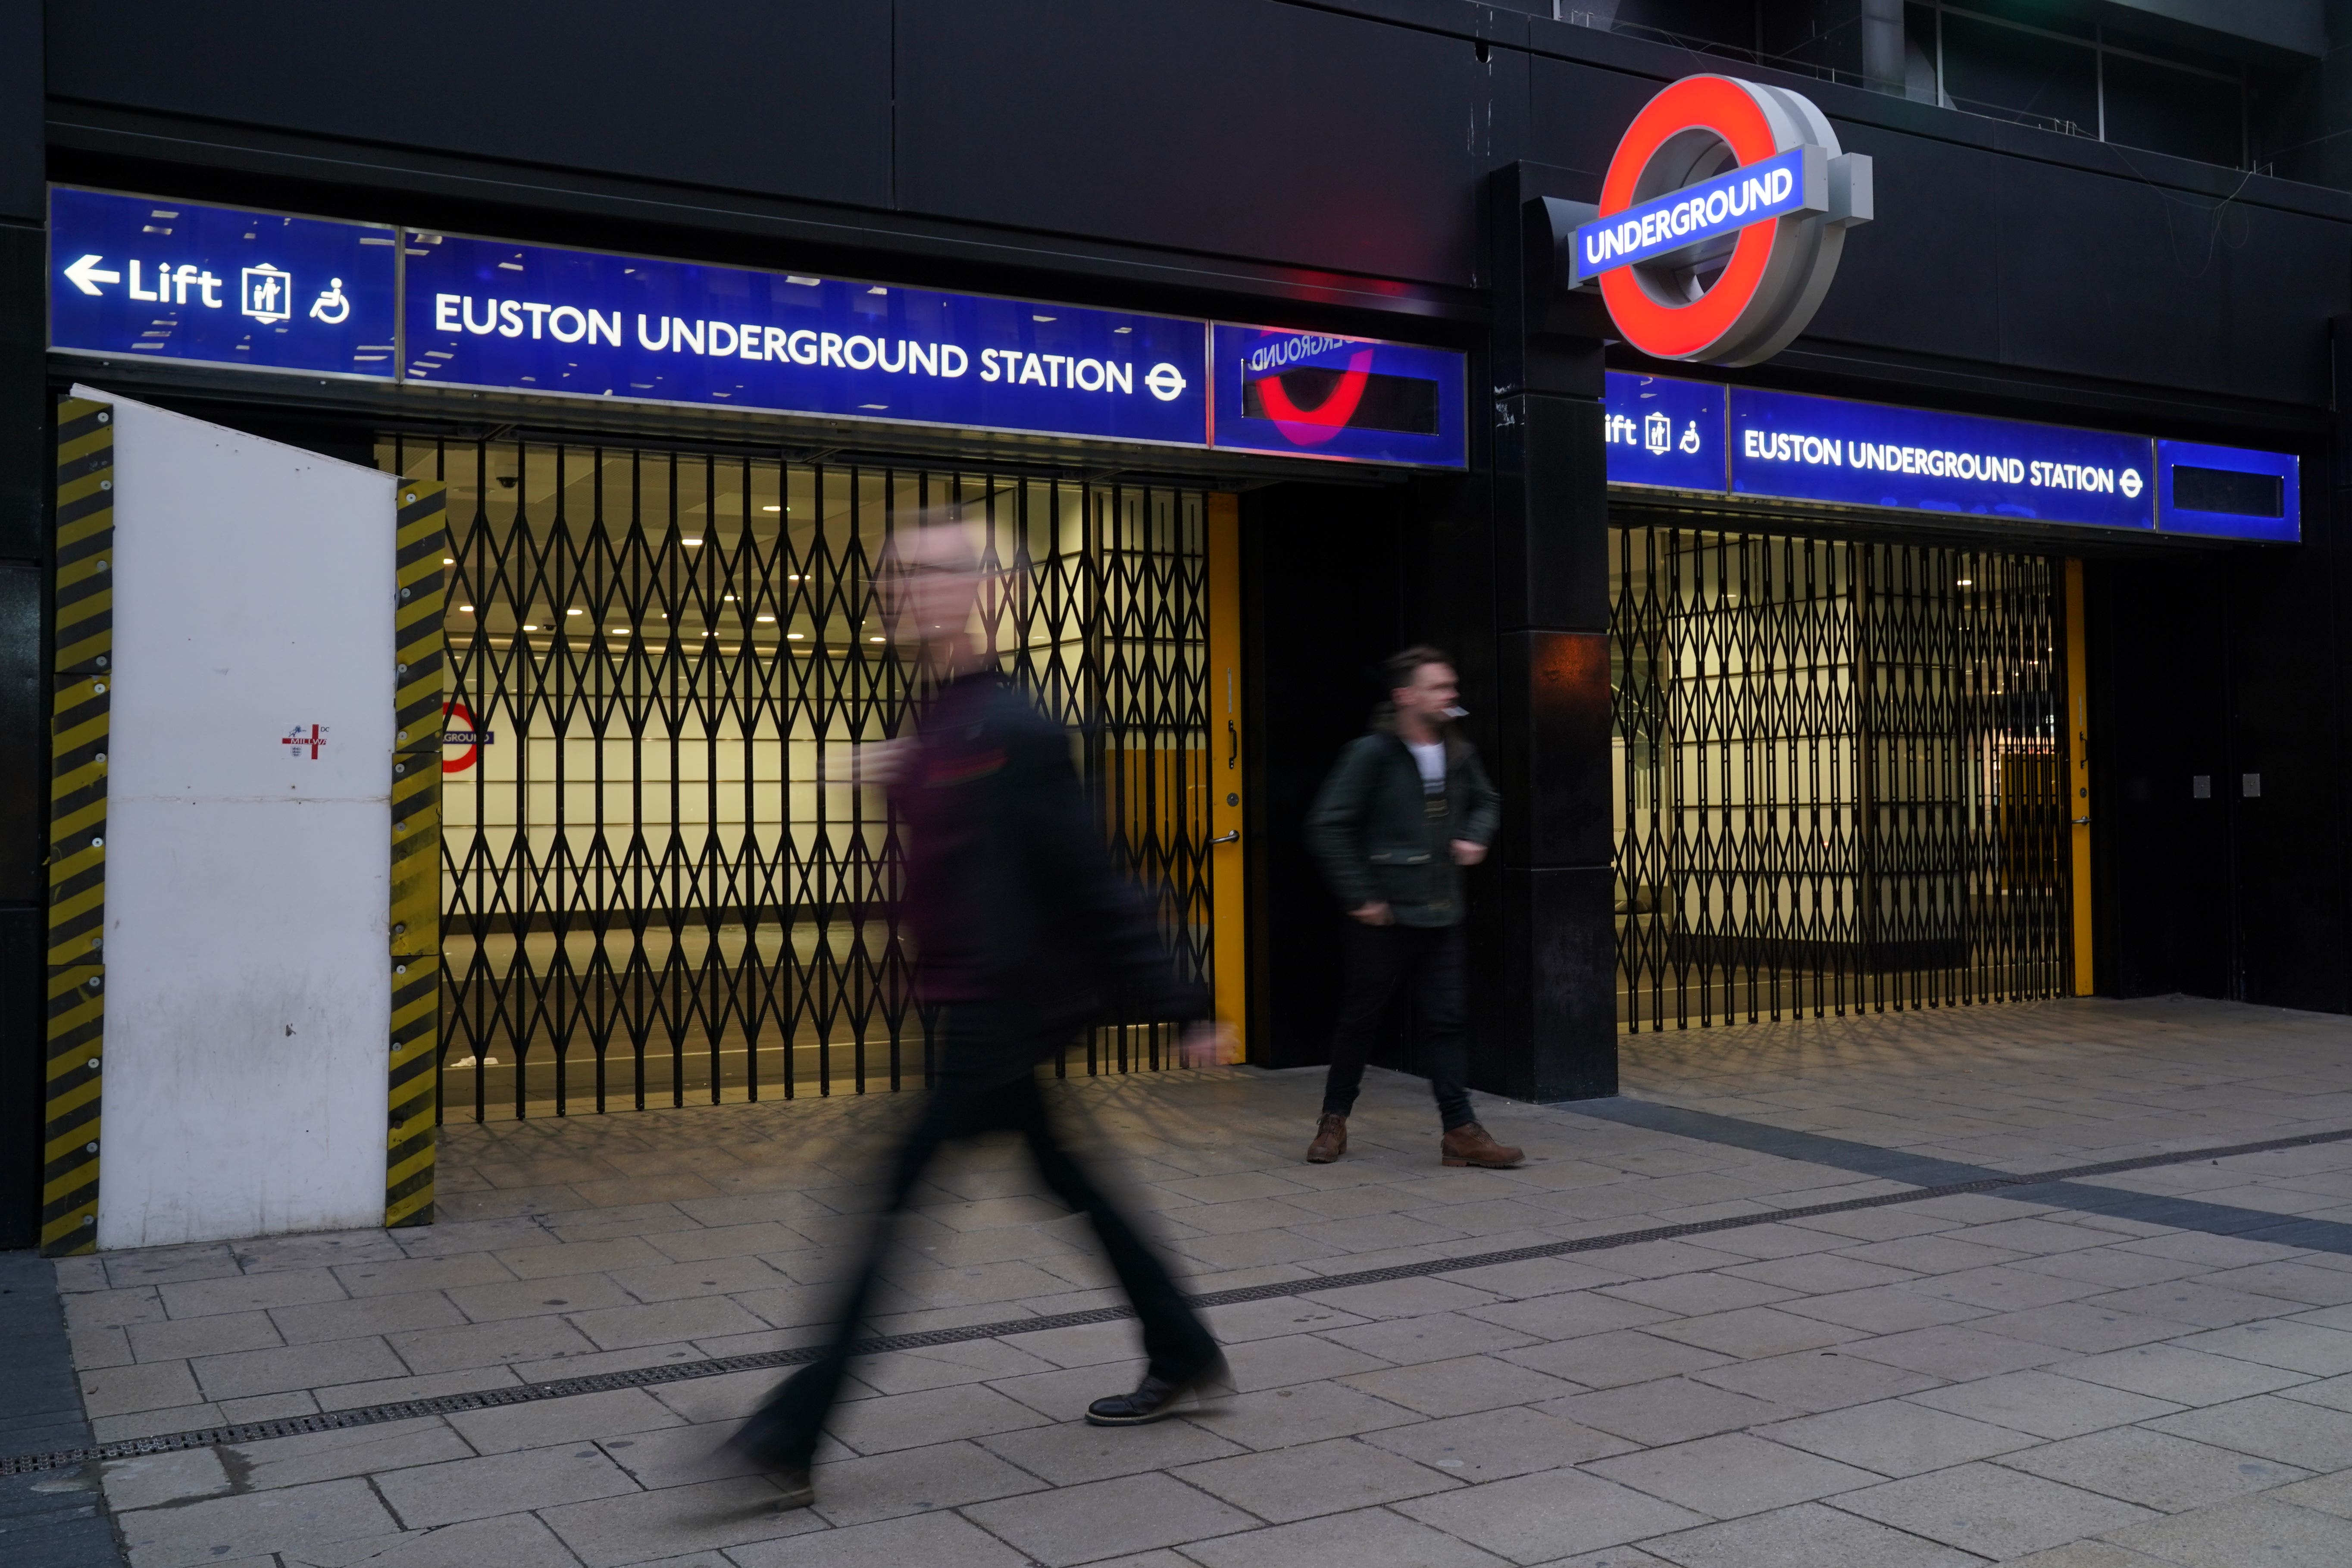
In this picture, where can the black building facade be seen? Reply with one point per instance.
(2049, 244)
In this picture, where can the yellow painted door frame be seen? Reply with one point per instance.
(420, 643)
(1228, 857)
(2078, 795)
(79, 722)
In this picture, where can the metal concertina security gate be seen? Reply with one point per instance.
(1840, 775)
(650, 891)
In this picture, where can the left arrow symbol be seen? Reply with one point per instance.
(85, 276)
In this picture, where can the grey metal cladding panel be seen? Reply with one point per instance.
(1923, 276)
(781, 97)
(2118, 278)
(1234, 126)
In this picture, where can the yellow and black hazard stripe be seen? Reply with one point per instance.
(83, 589)
(416, 851)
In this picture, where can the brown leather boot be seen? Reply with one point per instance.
(1330, 1141)
(1470, 1144)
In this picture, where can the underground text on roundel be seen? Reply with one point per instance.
(1776, 187)
(491, 313)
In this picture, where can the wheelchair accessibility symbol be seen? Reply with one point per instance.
(331, 307)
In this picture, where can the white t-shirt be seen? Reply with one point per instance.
(1430, 759)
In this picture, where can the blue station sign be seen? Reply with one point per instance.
(1663, 432)
(137, 277)
(489, 314)
(1794, 447)
(1320, 394)
(2229, 492)
(133, 277)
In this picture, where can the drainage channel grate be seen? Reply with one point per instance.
(769, 1360)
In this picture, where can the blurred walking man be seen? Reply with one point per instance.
(1406, 808)
(1023, 930)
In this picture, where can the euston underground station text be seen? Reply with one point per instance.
(1797, 447)
(803, 345)
(1888, 457)
(487, 314)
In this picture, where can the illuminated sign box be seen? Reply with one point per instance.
(493, 314)
(1665, 432)
(135, 277)
(1322, 395)
(1793, 447)
(2228, 492)
(1722, 216)
(145, 278)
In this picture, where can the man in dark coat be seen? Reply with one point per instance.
(1405, 809)
(1023, 932)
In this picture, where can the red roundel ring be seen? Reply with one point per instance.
(1730, 112)
(471, 753)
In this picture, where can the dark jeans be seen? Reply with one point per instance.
(783, 1432)
(1380, 959)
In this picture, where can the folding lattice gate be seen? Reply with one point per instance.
(650, 890)
(1840, 775)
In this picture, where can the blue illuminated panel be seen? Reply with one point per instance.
(1796, 448)
(2228, 492)
(487, 313)
(139, 278)
(1664, 431)
(1317, 395)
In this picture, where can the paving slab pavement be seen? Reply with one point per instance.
(1722, 1322)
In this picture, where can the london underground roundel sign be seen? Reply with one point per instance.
(1720, 221)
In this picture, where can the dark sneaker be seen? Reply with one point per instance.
(1156, 1398)
(1330, 1141)
(760, 1445)
(1470, 1144)
(795, 1488)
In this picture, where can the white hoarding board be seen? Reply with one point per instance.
(248, 858)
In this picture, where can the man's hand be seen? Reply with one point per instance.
(879, 763)
(1211, 1043)
(1375, 913)
(1467, 853)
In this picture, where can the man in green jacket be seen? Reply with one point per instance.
(1406, 808)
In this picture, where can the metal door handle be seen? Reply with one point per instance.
(1232, 838)
(1234, 743)
(2082, 822)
